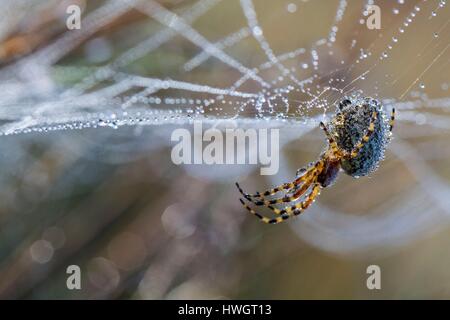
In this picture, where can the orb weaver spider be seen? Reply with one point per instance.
(357, 139)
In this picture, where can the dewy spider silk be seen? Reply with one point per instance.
(239, 146)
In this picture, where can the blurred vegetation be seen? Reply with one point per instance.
(112, 202)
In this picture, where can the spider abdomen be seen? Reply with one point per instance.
(350, 125)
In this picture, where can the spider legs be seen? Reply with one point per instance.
(311, 179)
(289, 211)
(369, 132)
(285, 186)
(331, 140)
(300, 178)
(364, 139)
(300, 172)
(353, 153)
(392, 120)
(296, 188)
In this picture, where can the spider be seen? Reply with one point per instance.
(357, 139)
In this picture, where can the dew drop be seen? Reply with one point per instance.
(291, 7)
(257, 31)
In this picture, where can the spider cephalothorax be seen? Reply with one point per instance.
(357, 139)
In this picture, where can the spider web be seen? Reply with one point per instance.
(254, 75)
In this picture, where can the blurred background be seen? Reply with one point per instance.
(87, 178)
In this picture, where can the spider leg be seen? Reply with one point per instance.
(300, 178)
(311, 181)
(309, 178)
(392, 121)
(364, 139)
(285, 199)
(301, 172)
(289, 211)
(285, 186)
(291, 192)
(259, 199)
(331, 140)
